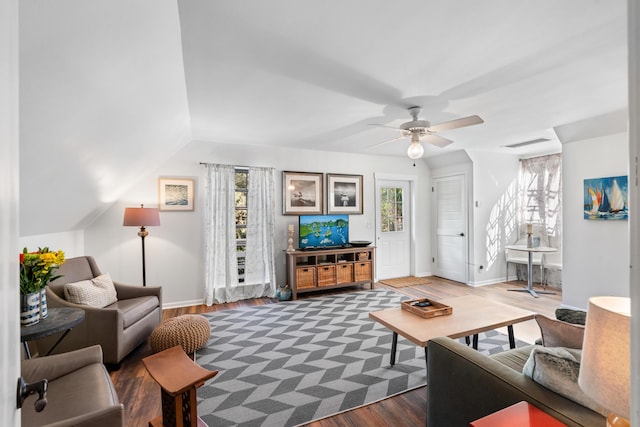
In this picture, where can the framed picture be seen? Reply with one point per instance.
(302, 193)
(175, 194)
(344, 194)
(606, 198)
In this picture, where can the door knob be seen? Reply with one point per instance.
(25, 390)
(461, 234)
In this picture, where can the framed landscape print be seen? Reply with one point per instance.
(302, 193)
(344, 194)
(175, 194)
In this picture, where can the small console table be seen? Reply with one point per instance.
(330, 268)
(521, 414)
(178, 377)
(58, 320)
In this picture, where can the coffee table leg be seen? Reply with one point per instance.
(475, 341)
(394, 345)
(512, 340)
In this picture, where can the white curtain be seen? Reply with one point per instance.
(259, 271)
(221, 263)
(540, 204)
(540, 201)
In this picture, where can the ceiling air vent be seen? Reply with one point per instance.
(522, 144)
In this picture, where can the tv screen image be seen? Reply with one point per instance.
(323, 231)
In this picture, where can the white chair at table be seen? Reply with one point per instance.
(521, 257)
(552, 262)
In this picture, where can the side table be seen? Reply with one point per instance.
(522, 414)
(178, 377)
(58, 320)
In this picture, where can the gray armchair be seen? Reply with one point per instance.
(119, 327)
(80, 391)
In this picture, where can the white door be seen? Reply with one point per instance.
(450, 206)
(393, 229)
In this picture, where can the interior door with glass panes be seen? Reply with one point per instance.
(393, 229)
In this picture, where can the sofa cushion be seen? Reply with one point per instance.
(557, 369)
(134, 309)
(556, 333)
(514, 358)
(97, 292)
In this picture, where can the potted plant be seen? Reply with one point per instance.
(36, 271)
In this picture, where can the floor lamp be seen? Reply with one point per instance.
(142, 217)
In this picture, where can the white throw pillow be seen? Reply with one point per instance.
(97, 292)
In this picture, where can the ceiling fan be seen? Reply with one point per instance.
(418, 129)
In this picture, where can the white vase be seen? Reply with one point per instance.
(30, 309)
(44, 312)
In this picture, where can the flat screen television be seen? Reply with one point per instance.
(323, 231)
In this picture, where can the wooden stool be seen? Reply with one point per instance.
(178, 377)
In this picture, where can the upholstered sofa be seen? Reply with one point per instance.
(80, 391)
(119, 327)
(465, 385)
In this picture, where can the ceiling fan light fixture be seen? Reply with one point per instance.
(415, 150)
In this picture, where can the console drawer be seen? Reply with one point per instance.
(362, 271)
(326, 275)
(305, 277)
(344, 273)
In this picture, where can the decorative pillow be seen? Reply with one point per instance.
(97, 292)
(569, 315)
(556, 333)
(557, 369)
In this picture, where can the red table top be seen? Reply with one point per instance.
(522, 414)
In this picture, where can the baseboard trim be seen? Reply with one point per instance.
(181, 304)
(486, 282)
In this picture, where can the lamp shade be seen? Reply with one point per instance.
(141, 217)
(605, 368)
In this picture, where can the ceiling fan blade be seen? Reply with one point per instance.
(388, 141)
(437, 140)
(457, 123)
(384, 126)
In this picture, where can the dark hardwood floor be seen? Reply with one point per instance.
(141, 395)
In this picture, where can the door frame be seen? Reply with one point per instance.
(434, 208)
(413, 190)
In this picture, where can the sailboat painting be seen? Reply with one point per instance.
(606, 198)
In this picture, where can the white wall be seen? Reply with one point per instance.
(494, 214)
(595, 253)
(634, 190)
(72, 242)
(9, 202)
(175, 248)
(491, 182)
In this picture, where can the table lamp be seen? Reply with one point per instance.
(142, 217)
(605, 367)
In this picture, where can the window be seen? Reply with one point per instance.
(391, 209)
(242, 176)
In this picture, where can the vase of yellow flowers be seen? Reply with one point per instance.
(36, 271)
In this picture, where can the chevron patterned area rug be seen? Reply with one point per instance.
(290, 363)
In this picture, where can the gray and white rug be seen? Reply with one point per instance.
(293, 362)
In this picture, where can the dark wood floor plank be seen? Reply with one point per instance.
(141, 395)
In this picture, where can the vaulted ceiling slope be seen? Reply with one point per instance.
(110, 88)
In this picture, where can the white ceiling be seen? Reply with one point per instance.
(110, 88)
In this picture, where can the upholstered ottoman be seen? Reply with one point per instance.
(190, 331)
